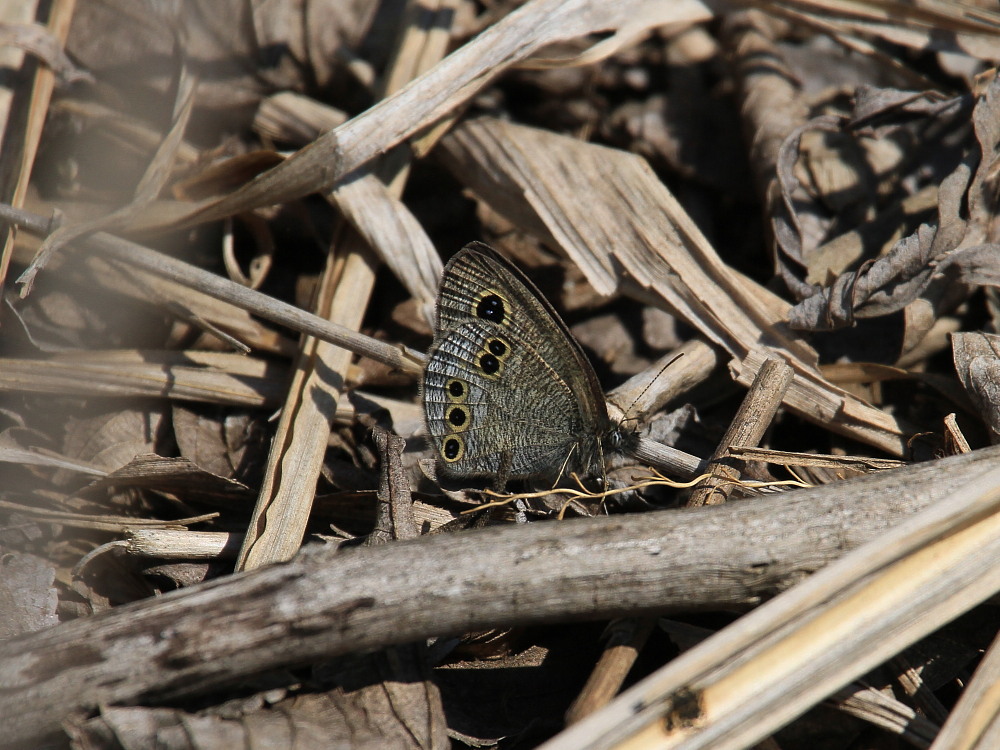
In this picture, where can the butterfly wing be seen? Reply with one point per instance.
(507, 390)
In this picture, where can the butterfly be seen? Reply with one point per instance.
(508, 392)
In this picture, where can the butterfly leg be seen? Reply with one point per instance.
(562, 468)
(500, 484)
(502, 474)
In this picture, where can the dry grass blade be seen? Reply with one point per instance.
(257, 303)
(24, 103)
(39, 457)
(373, 209)
(791, 458)
(434, 95)
(269, 308)
(92, 271)
(879, 709)
(149, 186)
(296, 458)
(751, 678)
(117, 524)
(187, 376)
(929, 24)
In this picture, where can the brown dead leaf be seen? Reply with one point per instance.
(934, 257)
(176, 476)
(225, 443)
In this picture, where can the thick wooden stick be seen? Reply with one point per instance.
(325, 603)
(754, 417)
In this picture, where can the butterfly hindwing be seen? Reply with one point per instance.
(485, 417)
(507, 391)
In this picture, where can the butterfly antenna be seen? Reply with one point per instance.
(648, 386)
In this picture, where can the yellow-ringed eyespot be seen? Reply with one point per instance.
(489, 364)
(498, 347)
(491, 357)
(456, 390)
(452, 449)
(492, 306)
(459, 418)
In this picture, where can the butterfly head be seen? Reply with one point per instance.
(621, 438)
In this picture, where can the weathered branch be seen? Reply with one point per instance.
(325, 603)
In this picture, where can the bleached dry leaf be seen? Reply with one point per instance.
(108, 577)
(173, 475)
(222, 441)
(27, 598)
(630, 233)
(187, 376)
(252, 49)
(319, 720)
(112, 438)
(138, 726)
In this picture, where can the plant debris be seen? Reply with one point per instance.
(224, 228)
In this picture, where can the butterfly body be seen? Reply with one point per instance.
(508, 392)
